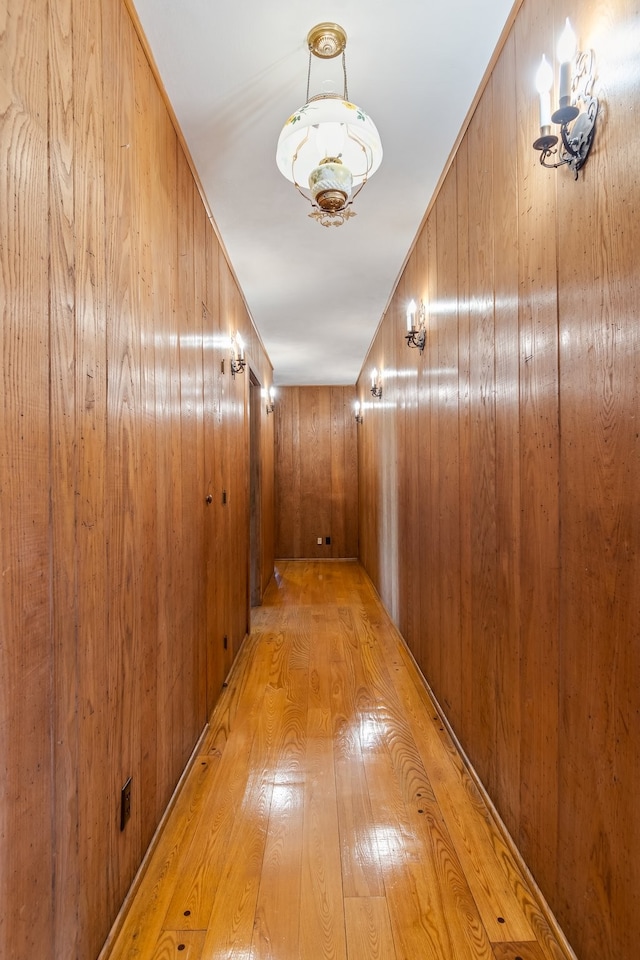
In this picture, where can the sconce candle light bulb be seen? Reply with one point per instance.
(567, 43)
(411, 316)
(566, 52)
(544, 82)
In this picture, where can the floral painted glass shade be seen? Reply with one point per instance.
(328, 128)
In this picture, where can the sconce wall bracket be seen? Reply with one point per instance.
(237, 365)
(376, 391)
(416, 338)
(577, 121)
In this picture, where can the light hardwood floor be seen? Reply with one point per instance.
(328, 814)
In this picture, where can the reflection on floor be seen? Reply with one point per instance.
(328, 814)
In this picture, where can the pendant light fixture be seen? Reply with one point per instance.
(329, 147)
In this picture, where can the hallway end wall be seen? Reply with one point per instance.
(316, 471)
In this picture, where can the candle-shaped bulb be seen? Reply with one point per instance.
(544, 82)
(357, 408)
(272, 395)
(567, 43)
(566, 53)
(374, 377)
(544, 76)
(411, 316)
(240, 346)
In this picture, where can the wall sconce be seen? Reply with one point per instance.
(358, 409)
(238, 362)
(376, 384)
(271, 405)
(577, 110)
(416, 335)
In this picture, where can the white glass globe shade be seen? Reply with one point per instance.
(328, 127)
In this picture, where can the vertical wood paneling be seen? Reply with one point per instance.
(445, 332)
(200, 349)
(316, 487)
(123, 467)
(529, 463)
(464, 441)
(90, 395)
(112, 642)
(215, 533)
(315, 468)
(539, 425)
(192, 505)
(599, 337)
(483, 441)
(26, 860)
(507, 368)
(64, 480)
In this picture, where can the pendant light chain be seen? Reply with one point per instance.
(309, 76)
(344, 70)
(345, 92)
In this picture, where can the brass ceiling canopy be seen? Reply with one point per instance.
(327, 40)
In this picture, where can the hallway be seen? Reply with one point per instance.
(327, 813)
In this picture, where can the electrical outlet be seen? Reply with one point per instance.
(125, 804)
(319, 541)
(225, 642)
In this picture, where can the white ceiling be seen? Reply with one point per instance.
(235, 71)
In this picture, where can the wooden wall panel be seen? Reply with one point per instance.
(529, 459)
(599, 347)
(316, 489)
(26, 858)
(123, 466)
(216, 534)
(443, 322)
(507, 392)
(483, 442)
(539, 477)
(64, 466)
(464, 441)
(116, 422)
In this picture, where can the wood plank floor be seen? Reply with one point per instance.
(328, 814)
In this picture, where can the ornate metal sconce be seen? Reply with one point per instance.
(577, 110)
(238, 362)
(376, 384)
(358, 409)
(416, 336)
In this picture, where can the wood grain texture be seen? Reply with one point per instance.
(107, 373)
(328, 826)
(64, 465)
(316, 488)
(533, 517)
(507, 384)
(599, 836)
(539, 479)
(26, 655)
